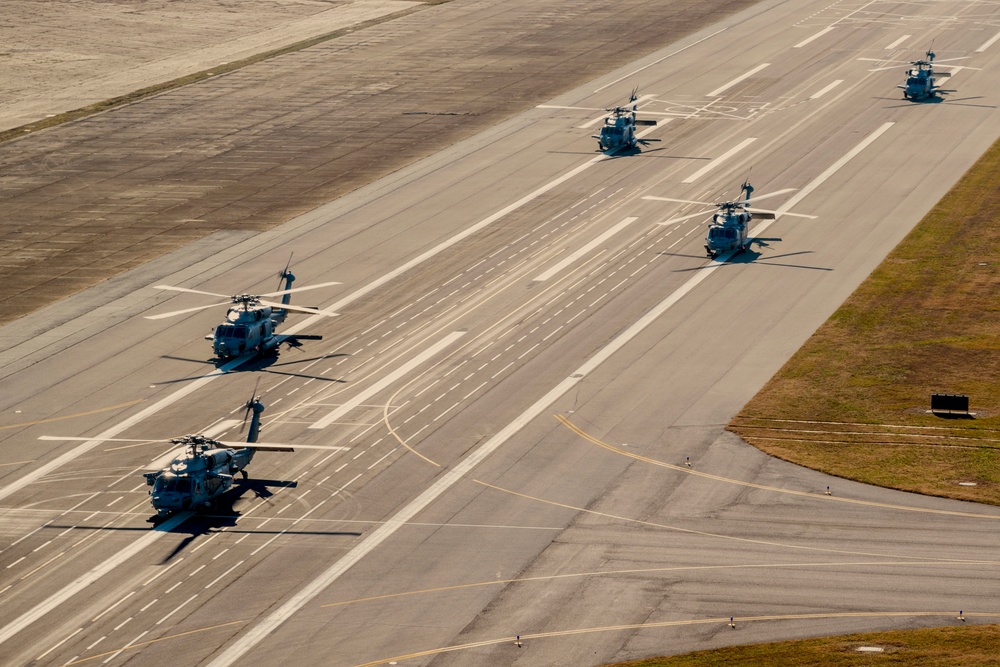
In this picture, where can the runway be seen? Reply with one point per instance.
(531, 371)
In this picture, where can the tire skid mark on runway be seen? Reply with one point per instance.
(702, 533)
(472, 294)
(672, 624)
(645, 570)
(153, 641)
(510, 331)
(65, 417)
(727, 480)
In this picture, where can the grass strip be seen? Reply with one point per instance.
(965, 646)
(854, 400)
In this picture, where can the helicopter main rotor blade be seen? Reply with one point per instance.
(776, 193)
(679, 201)
(279, 446)
(689, 216)
(298, 289)
(191, 291)
(297, 309)
(186, 310)
(75, 439)
(758, 211)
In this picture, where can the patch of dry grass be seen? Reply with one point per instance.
(965, 646)
(926, 321)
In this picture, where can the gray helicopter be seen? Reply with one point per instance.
(202, 469)
(920, 79)
(251, 320)
(618, 131)
(729, 227)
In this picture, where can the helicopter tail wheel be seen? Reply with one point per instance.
(244, 473)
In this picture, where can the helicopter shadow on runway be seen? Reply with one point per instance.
(632, 152)
(261, 364)
(937, 99)
(221, 517)
(224, 517)
(751, 256)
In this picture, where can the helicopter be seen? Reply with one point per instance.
(920, 79)
(251, 320)
(202, 469)
(730, 225)
(618, 131)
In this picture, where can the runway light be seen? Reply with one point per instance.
(961, 616)
(828, 490)
(687, 461)
(732, 623)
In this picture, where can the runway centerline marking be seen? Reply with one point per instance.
(585, 249)
(718, 91)
(820, 93)
(808, 40)
(898, 42)
(719, 160)
(387, 380)
(988, 43)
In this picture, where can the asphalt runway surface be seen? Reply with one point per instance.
(246, 150)
(532, 375)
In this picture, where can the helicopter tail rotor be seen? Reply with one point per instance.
(285, 273)
(254, 407)
(746, 187)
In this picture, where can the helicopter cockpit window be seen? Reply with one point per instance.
(165, 484)
(184, 485)
(730, 233)
(240, 332)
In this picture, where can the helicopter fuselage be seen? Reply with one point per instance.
(245, 330)
(618, 131)
(195, 478)
(919, 84)
(727, 231)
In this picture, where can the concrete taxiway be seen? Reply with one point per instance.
(532, 368)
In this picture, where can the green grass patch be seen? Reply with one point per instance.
(965, 646)
(926, 321)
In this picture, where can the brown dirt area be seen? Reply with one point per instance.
(57, 56)
(257, 146)
(854, 400)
